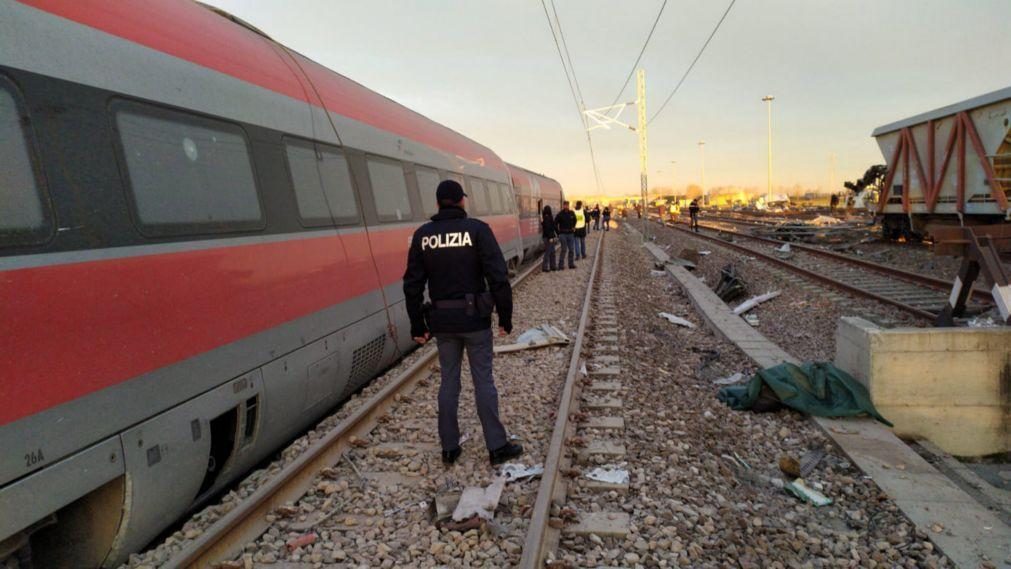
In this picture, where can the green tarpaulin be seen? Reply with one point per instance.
(816, 388)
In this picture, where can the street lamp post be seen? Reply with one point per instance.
(702, 157)
(768, 104)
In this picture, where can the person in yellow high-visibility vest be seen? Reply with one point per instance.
(580, 230)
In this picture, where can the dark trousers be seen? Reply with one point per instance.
(548, 264)
(607, 224)
(568, 245)
(693, 221)
(479, 354)
(596, 224)
(580, 246)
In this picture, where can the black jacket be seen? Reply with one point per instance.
(565, 221)
(548, 230)
(607, 213)
(455, 255)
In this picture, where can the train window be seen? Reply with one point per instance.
(389, 189)
(322, 183)
(24, 215)
(428, 181)
(494, 198)
(478, 197)
(507, 199)
(187, 174)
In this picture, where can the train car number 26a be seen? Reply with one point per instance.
(34, 458)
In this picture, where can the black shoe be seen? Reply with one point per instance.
(450, 456)
(507, 452)
(572, 266)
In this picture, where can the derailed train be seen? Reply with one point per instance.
(949, 166)
(202, 238)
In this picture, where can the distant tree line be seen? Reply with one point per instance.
(874, 177)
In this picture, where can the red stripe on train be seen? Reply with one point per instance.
(69, 330)
(76, 328)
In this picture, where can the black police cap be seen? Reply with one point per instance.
(449, 191)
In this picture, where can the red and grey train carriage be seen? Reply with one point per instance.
(202, 235)
(533, 192)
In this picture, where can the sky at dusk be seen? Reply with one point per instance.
(489, 69)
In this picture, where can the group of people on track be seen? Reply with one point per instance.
(569, 227)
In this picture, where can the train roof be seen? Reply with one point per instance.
(531, 172)
(216, 40)
(966, 105)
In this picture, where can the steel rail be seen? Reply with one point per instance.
(226, 537)
(812, 274)
(540, 536)
(932, 282)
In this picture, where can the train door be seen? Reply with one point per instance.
(352, 334)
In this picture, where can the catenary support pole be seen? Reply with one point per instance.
(640, 84)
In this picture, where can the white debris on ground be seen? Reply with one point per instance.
(803, 318)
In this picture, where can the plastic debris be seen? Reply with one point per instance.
(784, 249)
(730, 379)
(657, 273)
(801, 490)
(515, 471)
(823, 220)
(982, 321)
(675, 319)
(731, 285)
(751, 319)
(611, 475)
(704, 253)
(480, 502)
(755, 301)
(301, 541)
(539, 337)
(810, 461)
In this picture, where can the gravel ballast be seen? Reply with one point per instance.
(691, 500)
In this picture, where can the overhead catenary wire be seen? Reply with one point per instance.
(635, 65)
(694, 61)
(573, 82)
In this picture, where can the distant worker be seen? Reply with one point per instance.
(565, 225)
(595, 214)
(833, 203)
(548, 234)
(580, 232)
(455, 256)
(607, 218)
(693, 216)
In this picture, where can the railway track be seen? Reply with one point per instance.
(917, 294)
(227, 538)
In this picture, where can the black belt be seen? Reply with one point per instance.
(449, 303)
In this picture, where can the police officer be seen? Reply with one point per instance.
(456, 256)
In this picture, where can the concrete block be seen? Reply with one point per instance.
(602, 487)
(604, 524)
(608, 449)
(951, 386)
(602, 403)
(613, 423)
